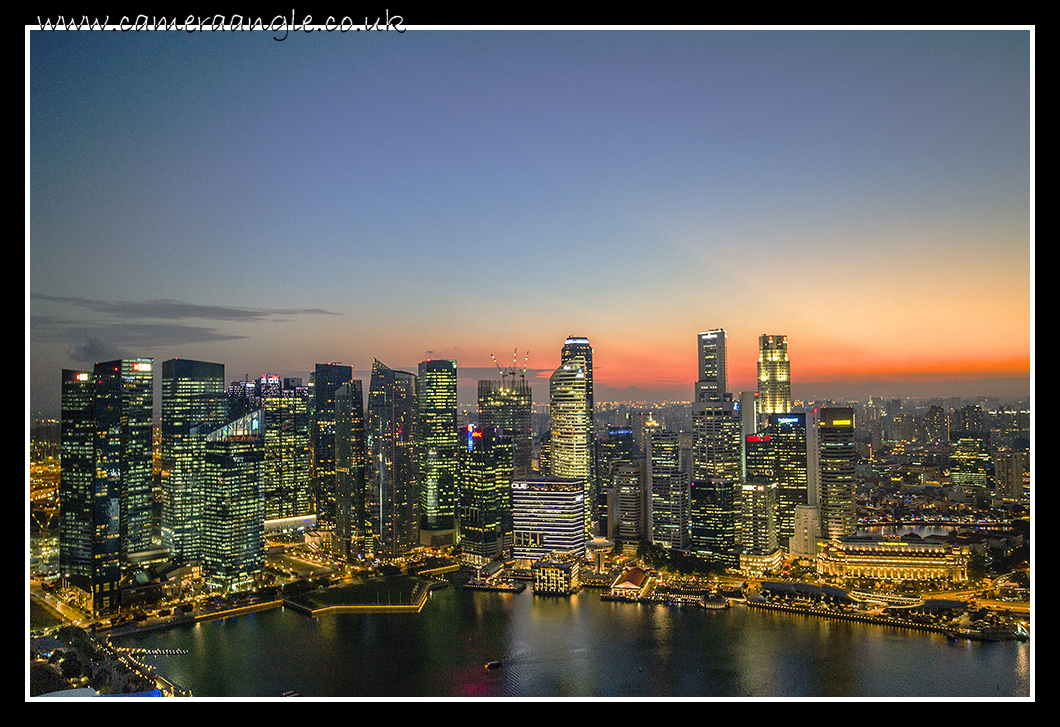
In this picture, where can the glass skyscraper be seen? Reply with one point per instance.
(395, 468)
(326, 379)
(353, 531)
(437, 445)
(571, 452)
(193, 401)
(774, 375)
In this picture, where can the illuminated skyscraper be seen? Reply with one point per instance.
(836, 457)
(353, 528)
(105, 496)
(392, 446)
(437, 443)
(233, 521)
(548, 515)
(286, 481)
(485, 496)
(789, 440)
(668, 483)
(193, 403)
(505, 406)
(713, 366)
(326, 379)
(774, 375)
(570, 453)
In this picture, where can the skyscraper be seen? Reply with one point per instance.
(233, 520)
(286, 477)
(105, 496)
(548, 516)
(485, 496)
(788, 436)
(774, 375)
(571, 428)
(505, 406)
(353, 528)
(395, 468)
(713, 366)
(437, 444)
(835, 438)
(668, 483)
(326, 379)
(193, 401)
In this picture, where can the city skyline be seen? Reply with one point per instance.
(456, 194)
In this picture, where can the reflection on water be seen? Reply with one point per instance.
(577, 647)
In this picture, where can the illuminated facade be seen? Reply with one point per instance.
(394, 464)
(485, 496)
(836, 458)
(893, 560)
(571, 452)
(789, 442)
(713, 363)
(668, 483)
(286, 483)
(758, 525)
(555, 576)
(715, 519)
(326, 379)
(548, 515)
(774, 375)
(505, 406)
(193, 403)
(631, 489)
(437, 445)
(233, 529)
(353, 529)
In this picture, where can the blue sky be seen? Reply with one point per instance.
(344, 197)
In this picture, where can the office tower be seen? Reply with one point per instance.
(233, 520)
(758, 523)
(193, 396)
(836, 457)
(577, 348)
(326, 379)
(714, 520)
(506, 406)
(668, 481)
(392, 448)
(570, 450)
(760, 456)
(774, 375)
(485, 496)
(970, 461)
(89, 536)
(1008, 474)
(713, 366)
(124, 403)
(574, 347)
(353, 528)
(437, 444)
(286, 478)
(966, 421)
(105, 496)
(789, 441)
(631, 488)
(803, 542)
(612, 450)
(548, 515)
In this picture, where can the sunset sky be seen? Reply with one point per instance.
(451, 194)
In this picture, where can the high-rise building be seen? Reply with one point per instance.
(392, 447)
(836, 458)
(668, 483)
(437, 444)
(105, 494)
(506, 406)
(353, 528)
(631, 488)
(1008, 473)
(788, 437)
(571, 451)
(758, 524)
(193, 402)
(286, 481)
(485, 496)
(774, 375)
(326, 379)
(233, 521)
(713, 366)
(715, 519)
(548, 515)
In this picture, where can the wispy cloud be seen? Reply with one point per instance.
(178, 310)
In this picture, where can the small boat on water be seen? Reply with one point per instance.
(493, 665)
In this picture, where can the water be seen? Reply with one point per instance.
(576, 647)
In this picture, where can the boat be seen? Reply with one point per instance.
(493, 665)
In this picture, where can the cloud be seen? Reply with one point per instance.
(178, 310)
